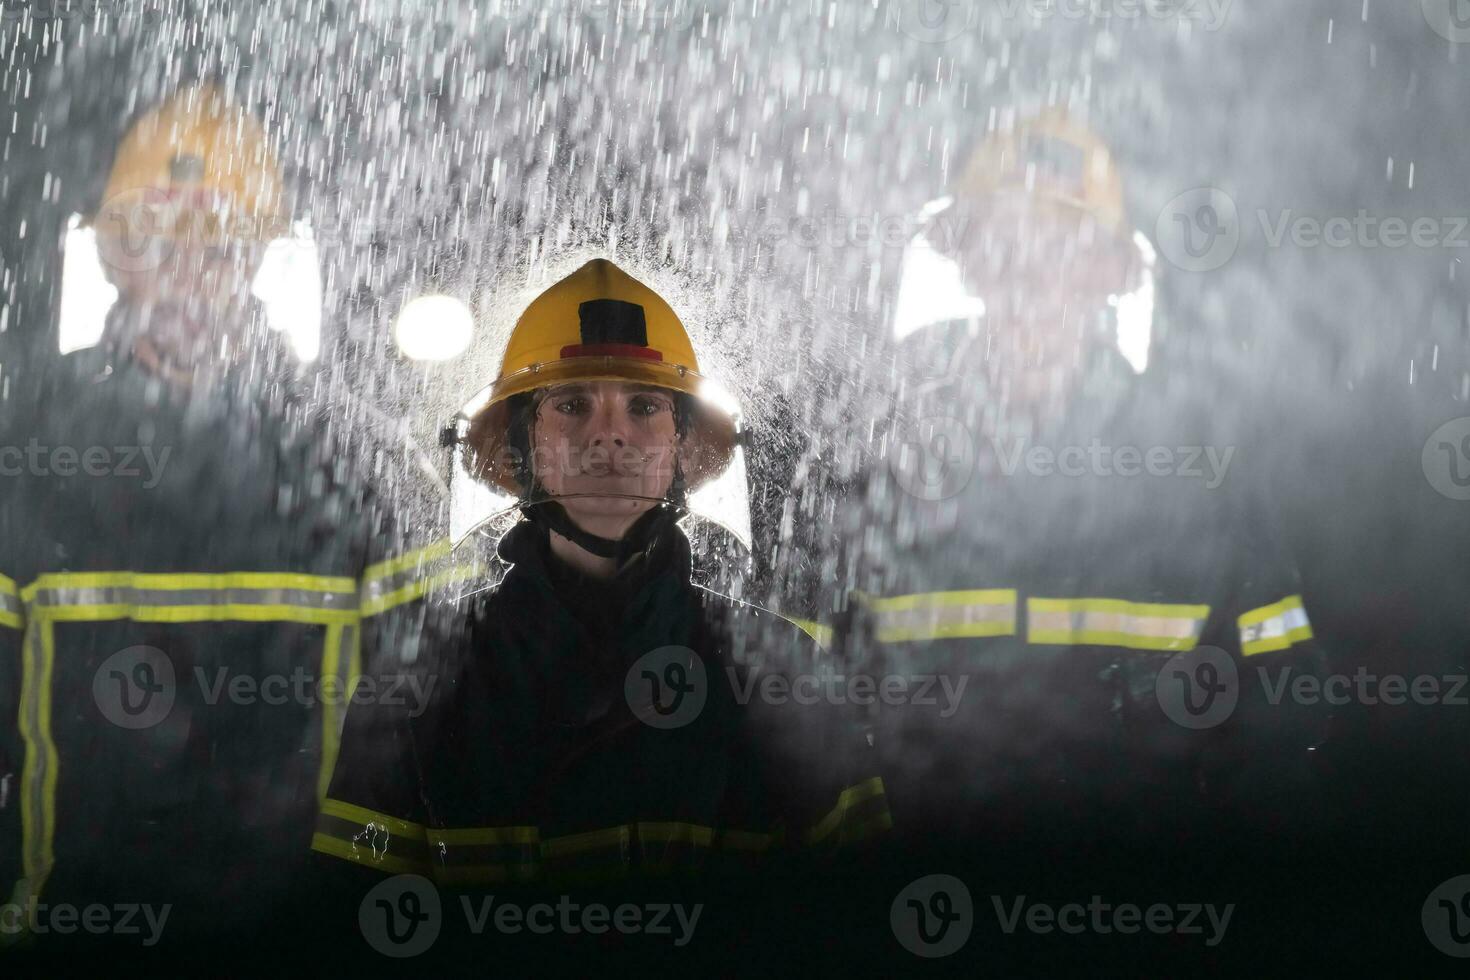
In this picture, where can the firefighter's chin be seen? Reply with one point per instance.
(607, 516)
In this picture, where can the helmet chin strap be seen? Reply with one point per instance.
(553, 516)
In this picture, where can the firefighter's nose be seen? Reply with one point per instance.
(608, 431)
(609, 439)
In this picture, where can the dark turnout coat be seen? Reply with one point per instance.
(577, 732)
(180, 584)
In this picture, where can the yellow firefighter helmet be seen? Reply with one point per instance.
(198, 166)
(601, 324)
(1055, 161)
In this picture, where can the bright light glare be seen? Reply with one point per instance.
(289, 286)
(434, 328)
(931, 290)
(726, 500)
(86, 295)
(1135, 311)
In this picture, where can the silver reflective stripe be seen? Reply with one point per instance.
(937, 615)
(374, 590)
(426, 569)
(1153, 627)
(934, 617)
(127, 595)
(1276, 626)
(10, 605)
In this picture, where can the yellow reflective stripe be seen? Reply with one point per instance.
(193, 597)
(198, 614)
(406, 561)
(941, 615)
(38, 778)
(459, 854)
(1274, 627)
(191, 580)
(592, 840)
(345, 850)
(672, 832)
(20, 898)
(821, 634)
(1115, 622)
(485, 835)
(357, 814)
(417, 588)
(341, 659)
(745, 840)
(11, 610)
(396, 581)
(847, 801)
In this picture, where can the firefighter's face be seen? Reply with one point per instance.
(608, 449)
(166, 255)
(1026, 253)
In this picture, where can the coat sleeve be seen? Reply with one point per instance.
(1264, 763)
(821, 764)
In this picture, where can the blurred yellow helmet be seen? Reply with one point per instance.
(199, 166)
(601, 324)
(1052, 160)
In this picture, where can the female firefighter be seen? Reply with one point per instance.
(595, 714)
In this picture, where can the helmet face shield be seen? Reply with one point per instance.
(504, 451)
(603, 439)
(599, 407)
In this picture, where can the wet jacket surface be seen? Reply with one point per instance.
(556, 747)
(1120, 624)
(188, 587)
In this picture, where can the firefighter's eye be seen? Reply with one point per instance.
(571, 405)
(644, 406)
